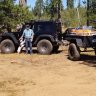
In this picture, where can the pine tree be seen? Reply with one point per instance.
(38, 9)
(70, 4)
(23, 3)
(11, 14)
(91, 10)
(52, 5)
(79, 3)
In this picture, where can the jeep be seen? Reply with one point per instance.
(47, 37)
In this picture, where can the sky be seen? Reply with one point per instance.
(31, 3)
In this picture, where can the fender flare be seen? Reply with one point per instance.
(9, 36)
(44, 37)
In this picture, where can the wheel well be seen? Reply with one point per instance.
(4, 38)
(47, 38)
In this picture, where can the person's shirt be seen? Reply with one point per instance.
(28, 33)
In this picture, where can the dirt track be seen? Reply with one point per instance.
(52, 75)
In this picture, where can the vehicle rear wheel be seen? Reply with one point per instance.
(73, 52)
(44, 47)
(7, 46)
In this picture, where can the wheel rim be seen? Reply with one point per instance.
(44, 47)
(7, 47)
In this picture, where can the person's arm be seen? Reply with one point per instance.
(32, 35)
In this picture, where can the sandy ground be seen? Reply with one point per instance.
(47, 75)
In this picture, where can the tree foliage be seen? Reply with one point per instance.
(11, 14)
(38, 9)
(70, 3)
(92, 9)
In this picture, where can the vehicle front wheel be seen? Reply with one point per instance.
(7, 46)
(73, 52)
(44, 47)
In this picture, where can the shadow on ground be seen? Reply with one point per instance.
(89, 60)
(59, 51)
(36, 52)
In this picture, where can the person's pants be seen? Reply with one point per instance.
(28, 44)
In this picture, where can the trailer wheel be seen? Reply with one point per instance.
(73, 52)
(7, 46)
(44, 47)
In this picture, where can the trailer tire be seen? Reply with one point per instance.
(44, 47)
(73, 52)
(7, 46)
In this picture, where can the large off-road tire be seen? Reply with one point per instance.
(55, 48)
(44, 47)
(73, 52)
(7, 46)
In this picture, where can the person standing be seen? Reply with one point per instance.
(28, 35)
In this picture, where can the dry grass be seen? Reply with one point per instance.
(47, 75)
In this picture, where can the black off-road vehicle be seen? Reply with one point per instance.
(47, 35)
(46, 39)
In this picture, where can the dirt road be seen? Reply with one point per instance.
(47, 75)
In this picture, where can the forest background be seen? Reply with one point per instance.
(72, 15)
